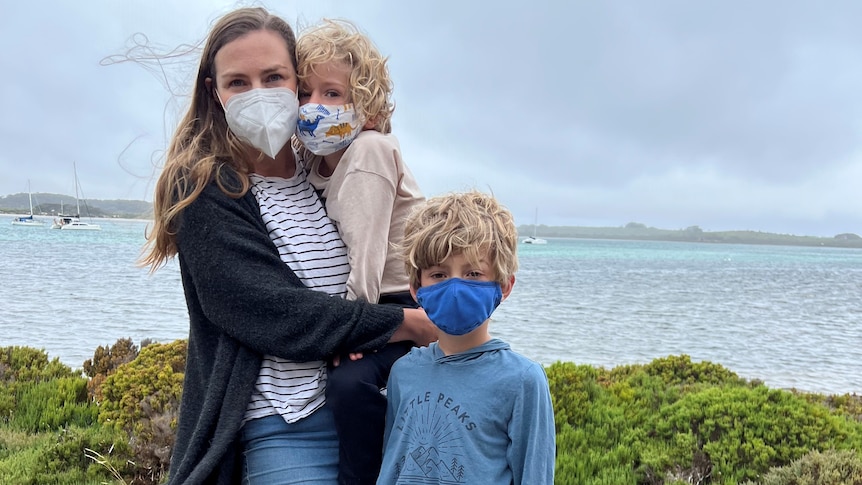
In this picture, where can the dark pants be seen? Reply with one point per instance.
(353, 394)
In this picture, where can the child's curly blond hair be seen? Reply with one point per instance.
(370, 85)
(470, 223)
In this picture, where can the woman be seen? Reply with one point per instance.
(251, 236)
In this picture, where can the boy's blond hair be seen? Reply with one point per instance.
(468, 223)
(370, 85)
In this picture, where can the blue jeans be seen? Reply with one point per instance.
(278, 453)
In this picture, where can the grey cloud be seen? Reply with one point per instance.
(672, 113)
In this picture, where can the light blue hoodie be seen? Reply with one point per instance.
(481, 416)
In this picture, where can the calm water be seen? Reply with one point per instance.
(789, 316)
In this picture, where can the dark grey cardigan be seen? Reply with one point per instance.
(244, 302)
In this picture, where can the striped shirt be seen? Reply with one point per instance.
(308, 242)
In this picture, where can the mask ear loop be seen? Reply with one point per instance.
(220, 102)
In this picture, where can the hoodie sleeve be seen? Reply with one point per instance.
(532, 435)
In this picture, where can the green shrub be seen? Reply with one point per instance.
(573, 388)
(743, 432)
(142, 398)
(38, 394)
(53, 404)
(679, 370)
(60, 457)
(594, 426)
(818, 468)
(105, 361)
(13, 441)
(154, 377)
(845, 404)
(25, 364)
(7, 403)
(668, 422)
(69, 446)
(674, 421)
(20, 367)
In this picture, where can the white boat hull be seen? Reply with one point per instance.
(71, 223)
(80, 226)
(28, 223)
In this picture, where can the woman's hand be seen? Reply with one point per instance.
(416, 327)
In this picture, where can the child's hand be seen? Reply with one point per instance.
(336, 361)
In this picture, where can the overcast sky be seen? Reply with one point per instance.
(721, 114)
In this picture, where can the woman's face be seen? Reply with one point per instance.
(258, 59)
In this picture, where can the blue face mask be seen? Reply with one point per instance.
(459, 306)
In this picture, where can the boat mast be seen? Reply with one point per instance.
(30, 196)
(77, 204)
(535, 222)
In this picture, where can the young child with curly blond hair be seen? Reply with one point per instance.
(355, 163)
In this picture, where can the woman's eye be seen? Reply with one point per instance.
(274, 78)
(236, 83)
(332, 94)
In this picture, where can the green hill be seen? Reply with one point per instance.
(50, 204)
(641, 232)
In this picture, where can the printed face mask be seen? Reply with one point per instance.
(326, 129)
(264, 117)
(458, 306)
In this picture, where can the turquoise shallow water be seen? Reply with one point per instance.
(790, 316)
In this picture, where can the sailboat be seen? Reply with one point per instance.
(533, 239)
(70, 222)
(28, 220)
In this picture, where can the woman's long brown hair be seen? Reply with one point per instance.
(203, 147)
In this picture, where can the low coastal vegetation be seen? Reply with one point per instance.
(671, 421)
(636, 231)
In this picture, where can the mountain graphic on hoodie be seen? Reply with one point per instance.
(427, 463)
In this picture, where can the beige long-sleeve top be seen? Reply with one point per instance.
(368, 196)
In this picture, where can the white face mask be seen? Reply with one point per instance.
(264, 117)
(325, 129)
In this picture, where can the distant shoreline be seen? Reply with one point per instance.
(50, 217)
(48, 205)
(639, 232)
(636, 233)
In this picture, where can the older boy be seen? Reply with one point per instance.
(467, 409)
